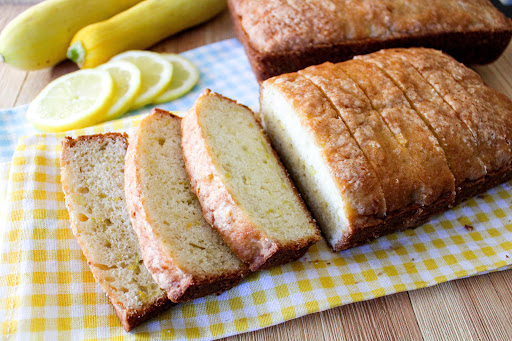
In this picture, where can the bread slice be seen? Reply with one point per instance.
(243, 188)
(186, 256)
(93, 182)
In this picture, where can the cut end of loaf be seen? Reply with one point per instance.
(303, 158)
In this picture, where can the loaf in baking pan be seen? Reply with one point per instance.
(93, 183)
(382, 142)
(244, 190)
(185, 255)
(283, 36)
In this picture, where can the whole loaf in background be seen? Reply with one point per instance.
(286, 36)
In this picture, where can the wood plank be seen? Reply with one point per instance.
(502, 282)
(497, 74)
(465, 309)
(386, 318)
(12, 79)
(37, 80)
(491, 315)
(306, 328)
(217, 29)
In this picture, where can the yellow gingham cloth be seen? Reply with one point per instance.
(47, 290)
(4, 180)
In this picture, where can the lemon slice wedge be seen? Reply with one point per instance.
(185, 76)
(127, 81)
(76, 100)
(156, 74)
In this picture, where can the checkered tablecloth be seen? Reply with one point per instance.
(47, 290)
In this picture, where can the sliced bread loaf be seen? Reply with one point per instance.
(93, 182)
(429, 101)
(244, 190)
(186, 256)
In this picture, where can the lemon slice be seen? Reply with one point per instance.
(156, 74)
(185, 76)
(127, 81)
(76, 100)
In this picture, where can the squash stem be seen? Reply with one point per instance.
(76, 53)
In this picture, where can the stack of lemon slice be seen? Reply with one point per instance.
(128, 81)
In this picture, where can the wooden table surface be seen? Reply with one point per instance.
(477, 308)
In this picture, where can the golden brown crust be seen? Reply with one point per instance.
(279, 38)
(399, 220)
(408, 128)
(70, 142)
(489, 127)
(500, 104)
(282, 25)
(456, 140)
(129, 318)
(180, 285)
(392, 163)
(246, 239)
